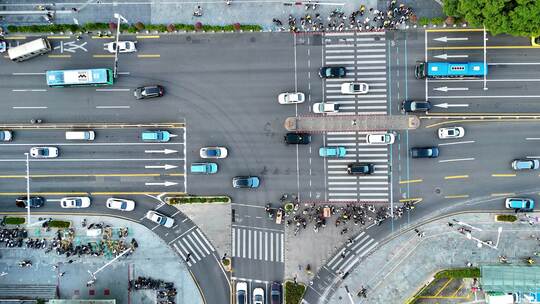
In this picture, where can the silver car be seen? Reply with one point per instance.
(160, 219)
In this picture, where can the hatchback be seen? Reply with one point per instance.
(245, 182)
(425, 152)
(360, 169)
(415, 106)
(148, 92)
(519, 204)
(332, 151)
(332, 72)
(158, 135)
(35, 201)
(297, 138)
(525, 164)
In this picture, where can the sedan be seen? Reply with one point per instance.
(354, 88)
(360, 169)
(291, 98)
(160, 219)
(297, 138)
(425, 152)
(120, 204)
(123, 47)
(241, 293)
(213, 152)
(380, 138)
(325, 107)
(332, 72)
(150, 91)
(415, 106)
(245, 182)
(332, 152)
(525, 164)
(75, 202)
(451, 132)
(44, 152)
(519, 204)
(275, 293)
(35, 201)
(258, 296)
(6, 135)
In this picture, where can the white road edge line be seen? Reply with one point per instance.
(455, 160)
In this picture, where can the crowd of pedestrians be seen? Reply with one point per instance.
(165, 291)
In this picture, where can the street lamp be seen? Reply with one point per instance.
(118, 17)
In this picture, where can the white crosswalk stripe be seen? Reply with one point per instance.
(351, 254)
(258, 245)
(364, 56)
(195, 245)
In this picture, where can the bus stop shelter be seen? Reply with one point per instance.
(510, 278)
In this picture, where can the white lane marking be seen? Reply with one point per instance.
(455, 160)
(457, 143)
(205, 240)
(113, 107)
(100, 144)
(233, 245)
(112, 90)
(249, 244)
(532, 138)
(514, 63)
(92, 159)
(29, 108)
(266, 246)
(489, 80)
(29, 90)
(123, 73)
(486, 96)
(244, 205)
(23, 74)
(243, 243)
(271, 247)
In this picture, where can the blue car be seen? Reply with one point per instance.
(204, 168)
(157, 135)
(246, 182)
(332, 152)
(520, 204)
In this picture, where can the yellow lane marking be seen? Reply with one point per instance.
(481, 47)
(443, 287)
(175, 174)
(15, 37)
(58, 37)
(456, 176)
(87, 193)
(59, 56)
(405, 200)
(148, 37)
(149, 56)
(456, 30)
(410, 181)
(103, 56)
(503, 194)
(479, 120)
(457, 196)
(458, 289)
(503, 175)
(102, 37)
(84, 175)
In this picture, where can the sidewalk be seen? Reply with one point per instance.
(215, 12)
(393, 273)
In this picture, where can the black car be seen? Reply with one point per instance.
(297, 138)
(360, 168)
(416, 106)
(35, 201)
(275, 293)
(425, 152)
(149, 92)
(332, 72)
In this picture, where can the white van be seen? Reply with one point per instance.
(80, 135)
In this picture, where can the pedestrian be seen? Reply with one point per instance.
(74, 9)
(70, 261)
(188, 257)
(61, 274)
(343, 255)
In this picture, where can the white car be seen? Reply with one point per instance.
(44, 152)
(354, 88)
(160, 219)
(75, 202)
(451, 132)
(241, 293)
(123, 47)
(291, 98)
(325, 107)
(380, 138)
(213, 152)
(120, 204)
(6, 135)
(258, 296)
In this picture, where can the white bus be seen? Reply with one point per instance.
(30, 49)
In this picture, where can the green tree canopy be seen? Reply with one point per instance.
(514, 17)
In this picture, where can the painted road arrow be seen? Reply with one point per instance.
(166, 151)
(446, 39)
(446, 89)
(446, 105)
(446, 56)
(166, 167)
(166, 184)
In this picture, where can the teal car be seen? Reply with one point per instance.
(204, 168)
(522, 204)
(332, 152)
(157, 135)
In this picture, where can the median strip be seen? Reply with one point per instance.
(411, 181)
(504, 175)
(456, 177)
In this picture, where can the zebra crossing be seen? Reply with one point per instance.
(350, 255)
(363, 54)
(258, 244)
(194, 244)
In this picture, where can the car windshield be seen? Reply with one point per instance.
(77, 202)
(212, 152)
(241, 299)
(44, 152)
(242, 182)
(123, 205)
(356, 87)
(258, 298)
(452, 132)
(152, 90)
(161, 220)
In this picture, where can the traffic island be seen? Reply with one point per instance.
(294, 292)
(13, 221)
(227, 264)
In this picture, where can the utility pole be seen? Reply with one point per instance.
(119, 18)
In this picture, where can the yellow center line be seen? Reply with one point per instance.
(458, 289)
(58, 37)
(481, 47)
(416, 199)
(503, 194)
(149, 56)
(443, 287)
(59, 56)
(15, 37)
(147, 36)
(456, 176)
(503, 175)
(457, 196)
(103, 37)
(175, 174)
(85, 175)
(103, 56)
(410, 181)
(455, 30)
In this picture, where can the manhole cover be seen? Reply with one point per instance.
(437, 190)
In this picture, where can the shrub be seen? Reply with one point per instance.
(458, 273)
(237, 26)
(450, 20)
(171, 28)
(197, 199)
(226, 262)
(59, 224)
(437, 20)
(506, 218)
(423, 21)
(198, 26)
(139, 26)
(14, 220)
(112, 26)
(294, 292)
